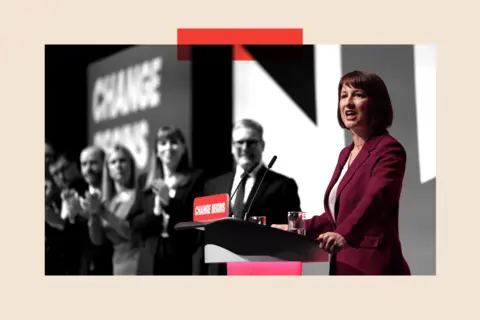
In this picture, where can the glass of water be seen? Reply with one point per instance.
(296, 222)
(258, 220)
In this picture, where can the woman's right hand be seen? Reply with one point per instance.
(283, 227)
(161, 189)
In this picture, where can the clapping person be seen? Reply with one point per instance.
(111, 211)
(70, 231)
(92, 161)
(171, 188)
(54, 244)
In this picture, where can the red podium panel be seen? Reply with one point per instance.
(280, 268)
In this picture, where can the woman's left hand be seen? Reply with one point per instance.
(331, 241)
(176, 181)
(161, 189)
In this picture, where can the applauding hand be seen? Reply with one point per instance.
(161, 189)
(91, 203)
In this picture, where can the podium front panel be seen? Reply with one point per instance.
(216, 254)
(244, 241)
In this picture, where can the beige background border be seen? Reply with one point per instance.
(28, 294)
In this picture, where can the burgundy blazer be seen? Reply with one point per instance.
(367, 206)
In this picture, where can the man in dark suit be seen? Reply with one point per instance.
(65, 239)
(79, 255)
(99, 258)
(277, 195)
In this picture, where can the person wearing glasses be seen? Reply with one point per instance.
(278, 193)
(69, 232)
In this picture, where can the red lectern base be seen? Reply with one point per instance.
(280, 268)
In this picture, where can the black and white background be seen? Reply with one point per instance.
(295, 100)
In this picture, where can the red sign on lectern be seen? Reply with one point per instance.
(211, 207)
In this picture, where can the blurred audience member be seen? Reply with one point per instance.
(111, 211)
(49, 155)
(54, 255)
(92, 161)
(67, 236)
(52, 192)
(171, 187)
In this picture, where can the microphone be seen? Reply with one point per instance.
(243, 177)
(258, 187)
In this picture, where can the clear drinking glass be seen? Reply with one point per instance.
(258, 220)
(296, 222)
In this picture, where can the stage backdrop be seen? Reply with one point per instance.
(296, 100)
(133, 93)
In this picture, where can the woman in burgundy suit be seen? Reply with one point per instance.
(360, 224)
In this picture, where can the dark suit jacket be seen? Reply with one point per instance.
(367, 208)
(181, 243)
(277, 195)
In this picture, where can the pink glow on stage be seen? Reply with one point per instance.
(280, 268)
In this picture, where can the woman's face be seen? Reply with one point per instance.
(353, 104)
(170, 151)
(119, 167)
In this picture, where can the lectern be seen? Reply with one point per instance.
(253, 249)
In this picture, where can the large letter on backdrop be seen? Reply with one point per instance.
(134, 92)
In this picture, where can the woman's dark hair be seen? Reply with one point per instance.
(379, 112)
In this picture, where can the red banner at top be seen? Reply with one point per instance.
(237, 38)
